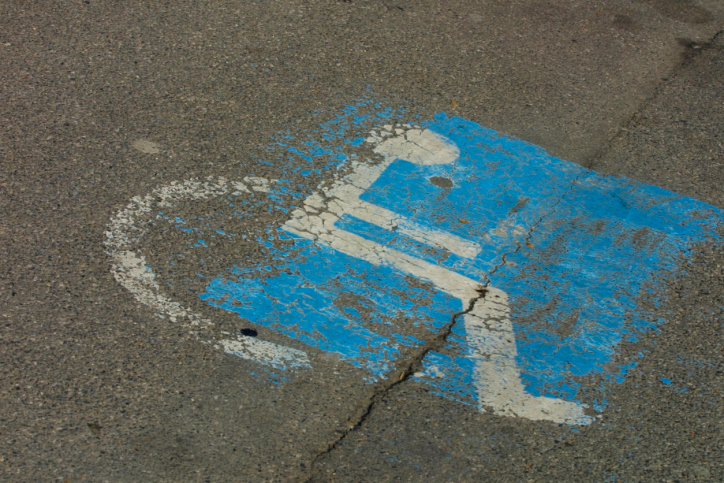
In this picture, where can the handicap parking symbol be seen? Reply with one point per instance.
(544, 263)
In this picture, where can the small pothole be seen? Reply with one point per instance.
(442, 182)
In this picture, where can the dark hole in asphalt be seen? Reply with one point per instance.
(249, 332)
(441, 182)
(95, 428)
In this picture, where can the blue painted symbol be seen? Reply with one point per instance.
(554, 265)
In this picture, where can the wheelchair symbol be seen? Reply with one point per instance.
(601, 244)
(488, 328)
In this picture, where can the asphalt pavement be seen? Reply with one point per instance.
(362, 241)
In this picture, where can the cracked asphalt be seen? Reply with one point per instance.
(103, 102)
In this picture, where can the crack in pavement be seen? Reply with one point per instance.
(695, 49)
(397, 378)
(440, 338)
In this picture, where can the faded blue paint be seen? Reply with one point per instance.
(582, 253)
(334, 302)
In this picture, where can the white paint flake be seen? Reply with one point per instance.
(265, 353)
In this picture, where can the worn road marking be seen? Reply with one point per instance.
(488, 327)
(131, 270)
(570, 261)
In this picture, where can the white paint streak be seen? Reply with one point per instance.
(130, 269)
(492, 341)
(266, 353)
(488, 326)
(321, 229)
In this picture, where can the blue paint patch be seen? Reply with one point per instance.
(576, 252)
(333, 302)
(580, 248)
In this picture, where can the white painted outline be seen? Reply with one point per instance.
(130, 269)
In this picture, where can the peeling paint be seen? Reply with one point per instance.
(563, 257)
(488, 328)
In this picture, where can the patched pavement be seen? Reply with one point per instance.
(362, 241)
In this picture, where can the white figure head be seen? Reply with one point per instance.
(419, 146)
